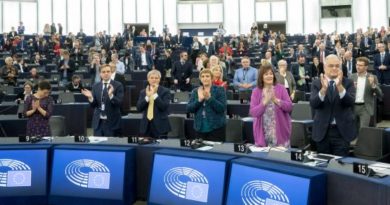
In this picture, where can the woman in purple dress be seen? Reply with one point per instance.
(270, 106)
(38, 109)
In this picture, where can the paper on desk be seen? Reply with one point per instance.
(211, 142)
(205, 148)
(97, 139)
(253, 148)
(380, 168)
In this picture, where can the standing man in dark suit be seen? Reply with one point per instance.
(66, 67)
(367, 91)
(332, 99)
(153, 102)
(349, 64)
(302, 74)
(143, 60)
(106, 99)
(382, 65)
(208, 48)
(116, 76)
(181, 72)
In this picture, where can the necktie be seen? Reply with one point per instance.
(104, 97)
(322, 57)
(150, 109)
(331, 88)
(350, 66)
(382, 58)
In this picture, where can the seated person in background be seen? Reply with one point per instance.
(38, 109)
(208, 103)
(153, 102)
(9, 73)
(286, 78)
(34, 77)
(270, 107)
(20, 65)
(27, 91)
(245, 77)
(217, 77)
(76, 85)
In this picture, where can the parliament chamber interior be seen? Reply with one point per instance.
(190, 102)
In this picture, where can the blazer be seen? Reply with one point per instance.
(340, 109)
(282, 115)
(112, 106)
(370, 94)
(315, 72)
(292, 86)
(345, 67)
(377, 61)
(72, 67)
(181, 73)
(215, 107)
(210, 51)
(149, 60)
(295, 72)
(160, 110)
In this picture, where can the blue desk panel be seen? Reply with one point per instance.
(23, 174)
(101, 174)
(185, 177)
(272, 183)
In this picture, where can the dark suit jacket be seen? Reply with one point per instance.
(149, 60)
(340, 109)
(160, 111)
(211, 50)
(382, 74)
(317, 72)
(295, 72)
(71, 69)
(73, 89)
(345, 67)
(120, 78)
(370, 94)
(181, 73)
(112, 106)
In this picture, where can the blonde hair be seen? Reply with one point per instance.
(206, 71)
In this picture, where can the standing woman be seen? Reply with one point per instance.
(270, 106)
(208, 103)
(38, 109)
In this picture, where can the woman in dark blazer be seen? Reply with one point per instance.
(153, 102)
(208, 103)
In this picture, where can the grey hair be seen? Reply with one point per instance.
(332, 56)
(282, 61)
(154, 72)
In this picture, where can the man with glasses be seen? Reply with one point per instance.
(367, 90)
(332, 99)
(245, 79)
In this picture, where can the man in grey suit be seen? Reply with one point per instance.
(367, 91)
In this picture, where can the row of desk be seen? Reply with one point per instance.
(343, 186)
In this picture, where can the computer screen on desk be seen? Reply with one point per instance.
(191, 178)
(88, 174)
(23, 172)
(259, 182)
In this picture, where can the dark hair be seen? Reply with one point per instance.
(264, 68)
(363, 59)
(44, 85)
